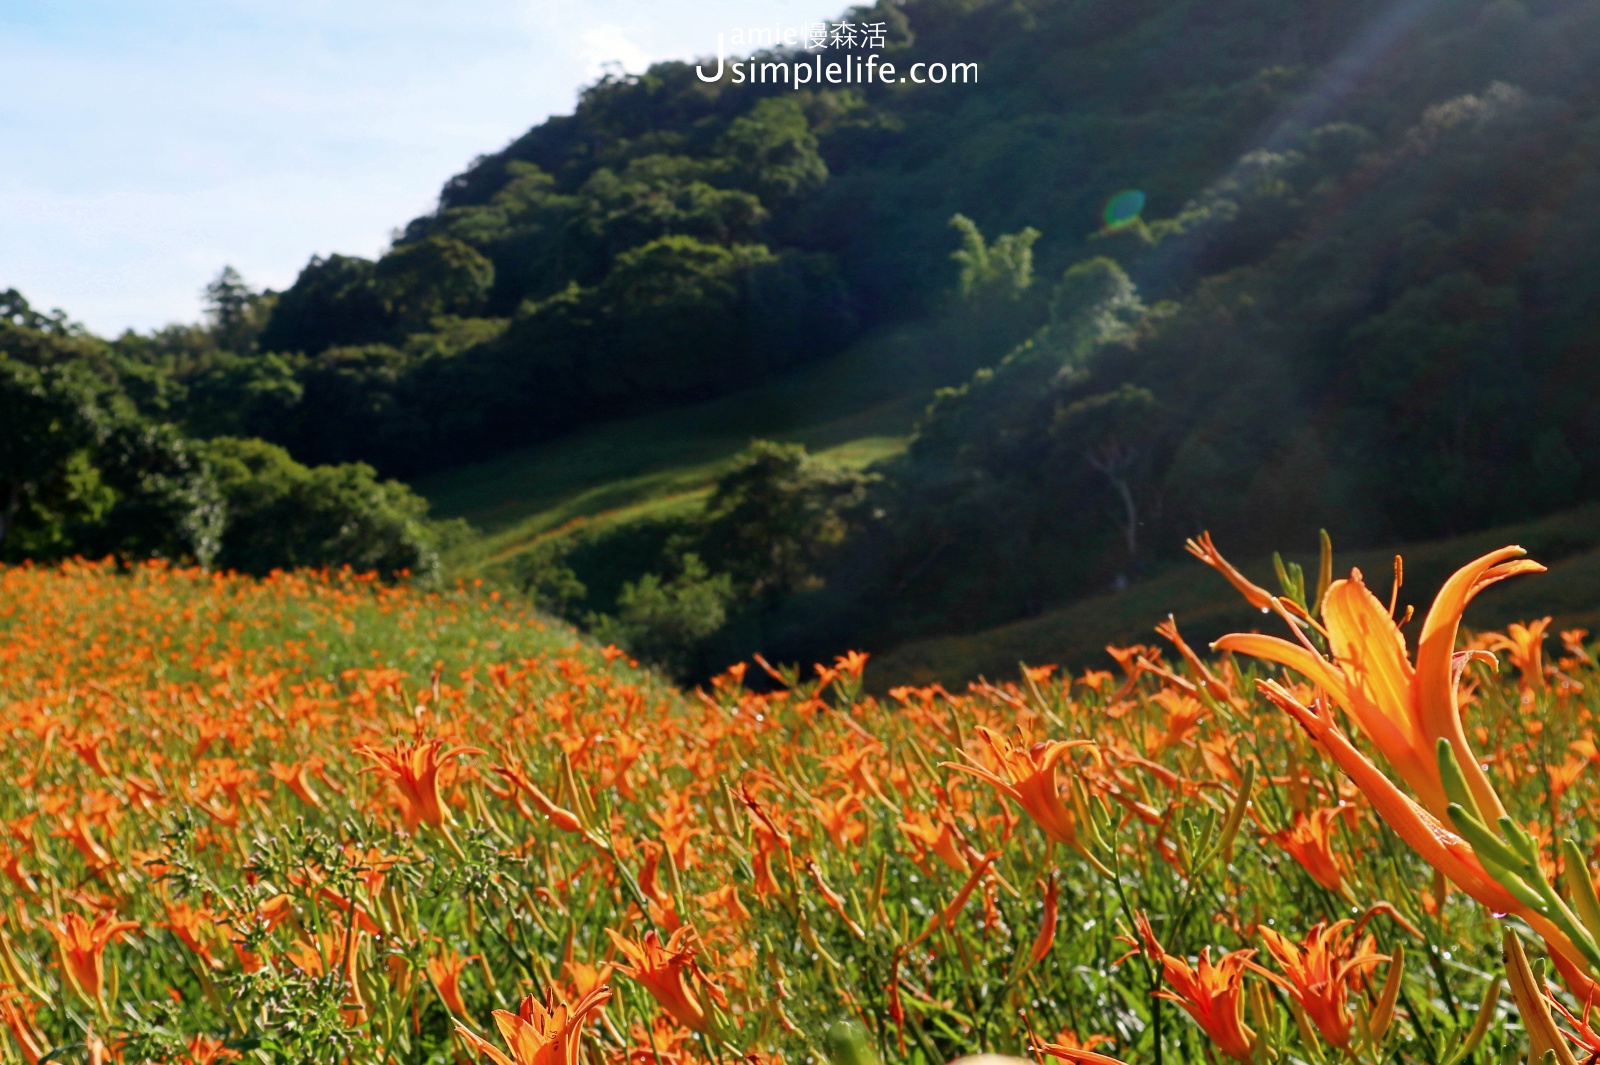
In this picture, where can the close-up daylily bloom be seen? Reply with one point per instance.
(1211, 993)
(549, 1033)
(1404, 708)
(1309, 841)
(1028, 777)
(663, 970)
(415, 769)
(83, 947)
(1319, 973)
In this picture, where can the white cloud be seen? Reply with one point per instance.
(608, 43)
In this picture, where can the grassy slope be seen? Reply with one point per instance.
(1206, 606)
(857, 407)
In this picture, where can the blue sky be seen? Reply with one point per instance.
(149, 142)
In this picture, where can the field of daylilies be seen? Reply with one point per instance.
(314, 818)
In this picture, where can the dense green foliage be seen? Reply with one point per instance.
(1359, 299)
(1380, 324)
(282, 514)
(712, 580)
(563, 292)
(93, 461)
(1354, 292)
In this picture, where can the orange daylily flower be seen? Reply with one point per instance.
(1094, 679)
(851, 663)
(1168, 630)
(1309, 841)
(838, 818)
(1183, 713)
(83, 946)
(661, 1042)
(415, 769)
(1068, 1049)
(1219, 753)
(1047, 926)
(726, 899)
(1565, 774)
(192, 926)
(16, 1013)
(1212, 994)
(78, 832)
(208, 1050)
(11, 865)
(1437, 845)
(676, 823)
(88, 747)
(1030, 782)
(584, 978)
(1524, 647)
(852, 764)
(562, 818)
(1133, 661)
(1404, 709)
(1582, 1033)
(445, 972)
(937, 836)
(293, 777)
(330, 952)
(629, 747)
(1318, 971)
(836, 901)
(663, 970)
(548, 1034)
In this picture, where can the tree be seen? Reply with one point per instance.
(1003, 270)
(282, 514)
(437, 276)
(165, 503)
(773, 518)
(51, 425)
(235, 312)
(1115, 432)
(82, 472)
(243, 396)
(667, 621)
(334, 301)
(15, 311)
(772, 151)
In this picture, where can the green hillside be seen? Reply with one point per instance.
(858, 408)
(722, 368)
(1206, 607)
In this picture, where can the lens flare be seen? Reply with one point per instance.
(1123, 209)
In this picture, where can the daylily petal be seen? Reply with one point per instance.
(1423, 832)
(1366, 641)
(1543, 1034)
(482, 1045)
(1370, 651)
(1285, 653)
(1436, 690)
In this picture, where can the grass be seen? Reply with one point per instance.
(1207, 607)
(858, 407)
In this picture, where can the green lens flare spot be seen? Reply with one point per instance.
(1123, 209)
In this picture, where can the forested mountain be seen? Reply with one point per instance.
(674, 238)
(1251, 265)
